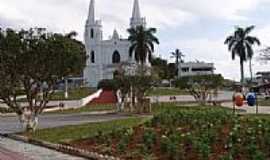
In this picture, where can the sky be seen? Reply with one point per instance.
(197, 27)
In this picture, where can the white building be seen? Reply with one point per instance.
(105, 56)
(195, 68)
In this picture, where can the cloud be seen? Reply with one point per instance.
(229, 9)
(263, 33)
(214, 51)
(169, 16)
(65, 15)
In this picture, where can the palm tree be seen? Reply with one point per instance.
(142, 43)
(142, 46)
(240, 44)
(178, 60)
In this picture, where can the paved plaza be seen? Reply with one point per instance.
(15, 150)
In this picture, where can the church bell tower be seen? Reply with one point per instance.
(93, 28)
(136, 19)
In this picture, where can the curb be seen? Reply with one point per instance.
(61, 148)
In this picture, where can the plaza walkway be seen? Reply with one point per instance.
(223, 96)
(250, 110)
(9, 155)
(15, 150)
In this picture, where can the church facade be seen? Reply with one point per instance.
(105, 56)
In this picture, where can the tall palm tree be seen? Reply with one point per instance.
(178, 55)
(241, 44)
(142, 43)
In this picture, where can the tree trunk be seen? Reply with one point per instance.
(250, 69)
(32, 123)
(242, 71)
(29, 121)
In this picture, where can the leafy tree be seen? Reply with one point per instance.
(136, 85)
(201, 86)
(161, 67)
(241, 44)
(172, 70)
(35, 60)
(108, 84)
(141, 84)
(142, 47)
(142, 43)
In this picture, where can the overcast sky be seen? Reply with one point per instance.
(197, 27)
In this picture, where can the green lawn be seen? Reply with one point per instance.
(162, 107)
(74, 94)
(173, 132)
(70, 133)
(264, 102)
(88, 108)
(167, 92)
(5, 110)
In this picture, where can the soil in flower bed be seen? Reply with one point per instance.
(190, 134)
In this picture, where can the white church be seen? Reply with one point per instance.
(105, 56)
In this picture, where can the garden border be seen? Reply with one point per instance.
(61, 148)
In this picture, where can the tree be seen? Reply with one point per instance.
(142, 43)
(172, 70)
(138, 84)
(160, 66)
(241, 44)
(201, 87)
(178, 60)
(34, 61)
(142, 47)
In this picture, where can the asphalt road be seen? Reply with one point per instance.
(12, 125)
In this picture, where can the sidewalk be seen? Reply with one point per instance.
(249, 110)
(32, 152)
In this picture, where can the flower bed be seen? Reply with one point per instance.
(209, 133)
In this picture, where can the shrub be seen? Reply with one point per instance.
(108, 84)
(149, 138)
(5, 110)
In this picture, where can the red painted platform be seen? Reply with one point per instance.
(106, 97)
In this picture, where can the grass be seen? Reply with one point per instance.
(88, 108)
(74, 94)
(71, 133)
(166, 92)
(188, 133)
(206, 129)
(5, 110)
(162, 107)
(264, 102)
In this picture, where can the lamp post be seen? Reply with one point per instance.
(66, 88)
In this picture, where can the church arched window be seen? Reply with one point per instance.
(92, 56)
(92, 33)
(116, 58)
